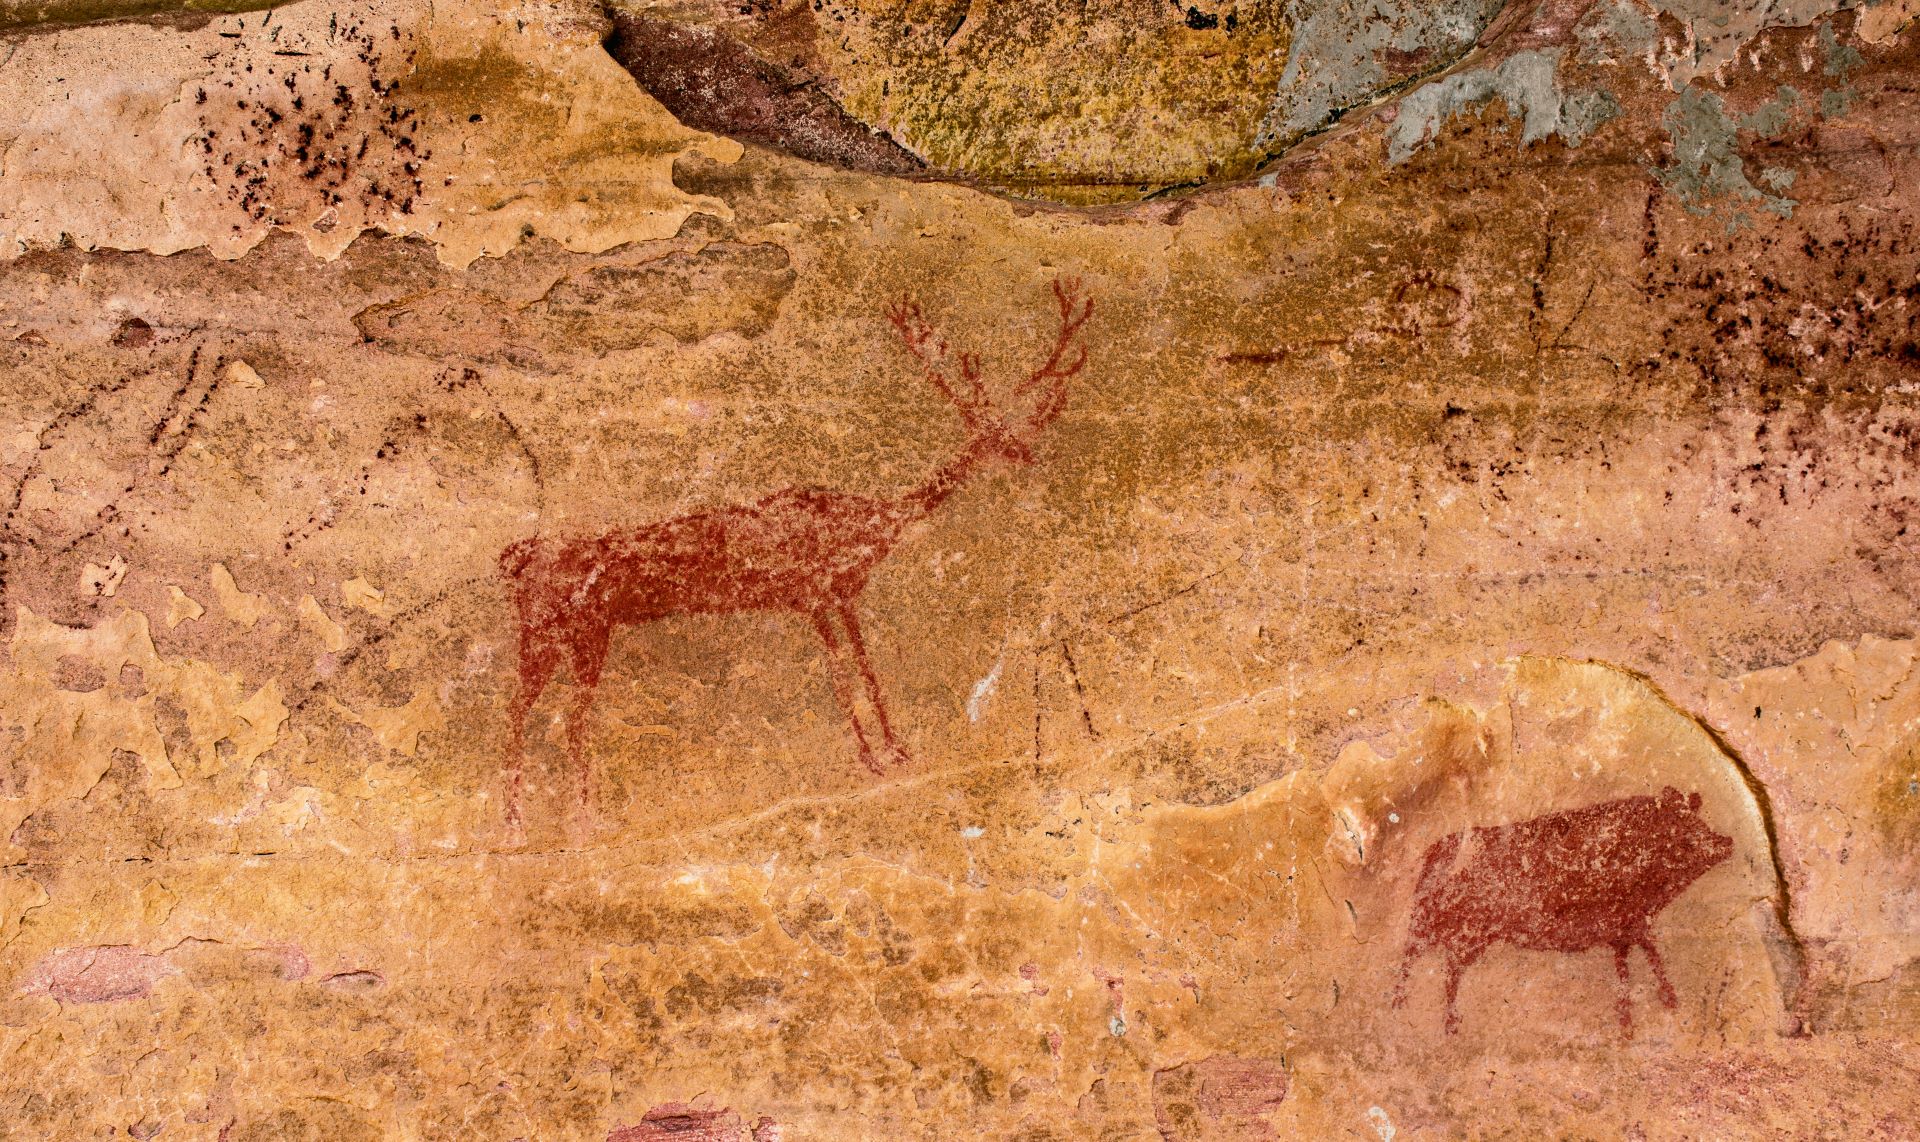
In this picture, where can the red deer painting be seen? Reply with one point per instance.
(800, 549)
(1567, 882)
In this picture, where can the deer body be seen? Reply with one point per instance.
(787, 551)
(802, 549)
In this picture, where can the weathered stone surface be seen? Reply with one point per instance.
(329, 121)
(619, 635)
(1089, 102)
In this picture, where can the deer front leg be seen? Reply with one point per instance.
(538, 657)
(842, 690)
(895, 753)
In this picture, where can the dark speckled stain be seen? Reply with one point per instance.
(1566, 882)
(712, 82)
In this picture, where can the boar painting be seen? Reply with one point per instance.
(1572, 881)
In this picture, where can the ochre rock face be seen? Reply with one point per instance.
(1226, 578)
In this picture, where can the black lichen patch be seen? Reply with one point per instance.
(292, 131)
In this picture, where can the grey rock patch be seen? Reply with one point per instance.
(1345, 51)
(1772, 117)
(1707, 167)
(1842, 59)
(1614, 31)
(1529, 82)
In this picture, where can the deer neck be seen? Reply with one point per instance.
(944, 481)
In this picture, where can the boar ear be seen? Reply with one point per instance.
(1693, 800)
(1671, 796)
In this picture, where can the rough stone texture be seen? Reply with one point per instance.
(1473, 548)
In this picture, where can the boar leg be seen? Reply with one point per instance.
(1406, 969)
(1455, 965)
(1620, 967)
(1659, 972)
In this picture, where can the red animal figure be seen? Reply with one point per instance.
(807, 550)
(1565, 882)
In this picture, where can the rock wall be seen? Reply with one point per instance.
(785, 571)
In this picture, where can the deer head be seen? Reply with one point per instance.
(991, 430)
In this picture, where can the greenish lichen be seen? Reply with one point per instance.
(1841, 62)
(1707, 168)
(1615, 30)
(1842, 59)
(1716, 31)
(1771, 118)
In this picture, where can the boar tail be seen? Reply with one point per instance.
(1440, 857)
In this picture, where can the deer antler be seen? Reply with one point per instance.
(1074, 311)
(976, 408)
(930, 349)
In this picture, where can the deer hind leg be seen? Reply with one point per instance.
(842, 688)
(1622, 969)
(895, 753)
(539, 655)
(1667, 996)
(586, 657)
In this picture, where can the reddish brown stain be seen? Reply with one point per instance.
(103, 974)
(805, 550)
(134, 333)
(1567, 882)
(294, 964)
(1224, 1096)
(713, 82)
(679, 1122)
(1030, 972)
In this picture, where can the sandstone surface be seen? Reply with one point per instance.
(1119, 570)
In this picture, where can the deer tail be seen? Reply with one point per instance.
(1440, 856)
(515, 557)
